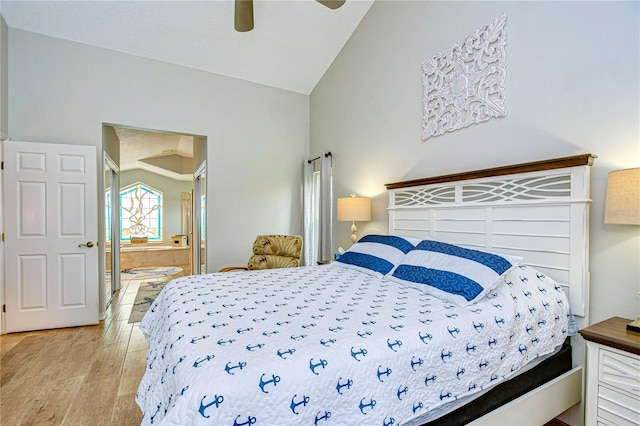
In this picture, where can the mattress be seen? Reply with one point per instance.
(326, 344)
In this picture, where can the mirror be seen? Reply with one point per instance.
(198, 245)
(112, 236)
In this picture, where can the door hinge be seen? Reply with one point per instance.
(3, 236)
(4, 308)
(1, 165)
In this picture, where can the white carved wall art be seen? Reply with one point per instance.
(466, 83)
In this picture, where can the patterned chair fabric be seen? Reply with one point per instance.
(276, 251)
(273, 251)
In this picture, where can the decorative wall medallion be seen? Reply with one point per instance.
(466, 83)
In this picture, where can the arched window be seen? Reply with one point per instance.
(140, 212)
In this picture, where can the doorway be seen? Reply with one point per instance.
(145, 221)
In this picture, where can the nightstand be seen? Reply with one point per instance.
(613, 373)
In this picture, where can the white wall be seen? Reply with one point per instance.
(62, 92)
(572, 88)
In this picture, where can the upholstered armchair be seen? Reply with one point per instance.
(271, 252)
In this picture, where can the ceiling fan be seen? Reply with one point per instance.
(244, 12)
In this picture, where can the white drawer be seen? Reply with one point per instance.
(618, 408)
(620, 371)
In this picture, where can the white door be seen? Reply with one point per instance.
(51, 230)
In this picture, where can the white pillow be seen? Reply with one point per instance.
(452, 273)
(375, 254)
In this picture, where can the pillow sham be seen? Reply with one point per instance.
(375, 254)
(452, 273)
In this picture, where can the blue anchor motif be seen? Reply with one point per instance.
(156, 413)
(472, 386)
(453, 331)
(341, 319)
(452, 316)
(174, 324)
(172, 312)
(354, 354)
(535, 341)
(542, 290)
(258, 319)
(541, 323)
(269, 333)
(228, 305)
(426, 311)
(251, 348)
(375, 307)
(414, 363)
(368, 323)
(281, 323)
(199, 361)
(478, 326)
(425, 321)
(298, 337)
(370, 404)
(559, 302)
(425, 337)
(497, 305)
(476, 311)
(177, 363)
(293, 314)
(417, 407)
(248, 308)
(250, 420)
(444, 355)
(499, 321)
(373, 314)
(317, 316)
(459, 373)
(191, 324)
(445, 395)
(400, 309)
(339, 386)
(228, 367)
(545, 305)
(294, 404)
(557, 287)
(327, 342)
(195, 339)
(494, 377)
(470, 348)
(217, 400)
(527, 294)
(222, 342)
(282, 354)
(393, 345)
(492, 342)
(428, 379)
(364, 334)
(532, 309)
(335, 329)
(234, 316)
(244, 330)
(386, 372)
(176, 341)
(312, 366)
(396, 327)
(274, 379)
(397, 316)
(224, 324)
(305, 326)
(347, 311)
(324, 417)
(402, 391)
(389, 422)
(525, 280)
(483, 364)
(529, 329)
(302, 307)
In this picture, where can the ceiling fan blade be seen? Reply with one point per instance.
(243, 15)
(331, 4)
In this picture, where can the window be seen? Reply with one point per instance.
(140, 212)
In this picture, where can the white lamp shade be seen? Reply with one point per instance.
(354, 209)
(623, 197)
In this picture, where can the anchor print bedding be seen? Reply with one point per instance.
(327, 345)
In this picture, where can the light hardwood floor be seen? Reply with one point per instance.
(75, 376)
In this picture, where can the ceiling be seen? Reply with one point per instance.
(292, 45)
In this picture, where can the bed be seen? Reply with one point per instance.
(356, 343)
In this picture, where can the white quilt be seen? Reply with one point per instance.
(328, 345)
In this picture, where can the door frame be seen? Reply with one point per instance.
(115, 236)
(196, 238)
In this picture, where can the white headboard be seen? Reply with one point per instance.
(538, 210)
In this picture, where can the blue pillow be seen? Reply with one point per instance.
(375, 254)
(453, 273)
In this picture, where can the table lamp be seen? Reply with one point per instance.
(622, 206)
(354, 209)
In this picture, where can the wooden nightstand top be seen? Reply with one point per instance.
(613, 332)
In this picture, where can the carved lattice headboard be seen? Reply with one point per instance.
(536, 210)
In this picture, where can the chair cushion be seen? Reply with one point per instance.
(268, 261)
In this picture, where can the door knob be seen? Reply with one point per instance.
(89, 244)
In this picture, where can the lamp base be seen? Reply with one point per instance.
(353, 232)
(634, 326)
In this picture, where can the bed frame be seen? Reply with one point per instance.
(537, 210)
